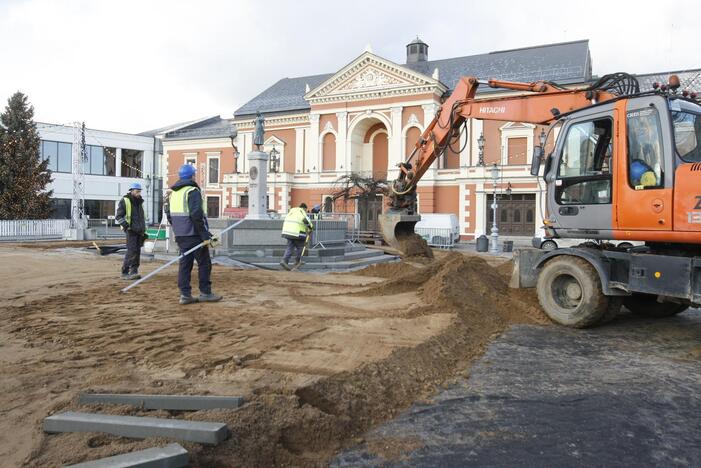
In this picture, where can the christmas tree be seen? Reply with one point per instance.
(23, 175)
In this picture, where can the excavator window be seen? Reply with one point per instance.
(687, 135)
(584, 172)
(644, 149)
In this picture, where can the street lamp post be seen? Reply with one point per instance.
(480, 146)
(494, 238)
(274, 168)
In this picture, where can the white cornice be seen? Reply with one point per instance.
(274, 121)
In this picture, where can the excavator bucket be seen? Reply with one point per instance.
(398, 232)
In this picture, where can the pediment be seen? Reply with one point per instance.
(370, 74)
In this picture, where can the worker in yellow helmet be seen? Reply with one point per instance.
(295, 229)
(130, 216)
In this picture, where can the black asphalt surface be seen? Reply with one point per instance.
(625, 394)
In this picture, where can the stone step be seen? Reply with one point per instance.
(337, 266)
(164, 402)
(367, 253)
(170, 456)
(137, 427)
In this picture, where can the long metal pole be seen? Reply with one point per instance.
(163, 267)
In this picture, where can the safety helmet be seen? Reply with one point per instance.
(638, 167)
(135, 186)
(187, 171)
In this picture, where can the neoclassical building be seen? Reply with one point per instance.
(365, 118)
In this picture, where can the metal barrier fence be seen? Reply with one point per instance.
(437, 237)
(105, 227)
(28, 229)
(352, 226)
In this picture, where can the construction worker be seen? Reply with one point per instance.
(316, 210)
(130, 216)
(189, 222)
(295, 229)
(642, 175)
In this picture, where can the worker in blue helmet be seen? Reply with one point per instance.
(642, 175)
(130, 216)
(189, 222)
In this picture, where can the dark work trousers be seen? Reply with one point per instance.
(204, 265)
(132, 258)
(296, 246)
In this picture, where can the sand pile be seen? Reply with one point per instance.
(386, 270)
(320, 419)
(414, 246)
(306, 425)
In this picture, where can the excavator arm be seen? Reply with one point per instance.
(543, 103)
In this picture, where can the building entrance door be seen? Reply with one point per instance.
(369, 208)
(515, 214)
(212, 207)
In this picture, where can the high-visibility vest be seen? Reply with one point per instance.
(180, 211)
(127, 207)
(294, 226)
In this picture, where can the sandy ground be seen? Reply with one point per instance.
(319, 358)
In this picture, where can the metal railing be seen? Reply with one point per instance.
(105, 227)
(30, 229)
(352, 227)
(437, 237)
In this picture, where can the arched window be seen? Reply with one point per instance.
(328, 205)
(328, 152)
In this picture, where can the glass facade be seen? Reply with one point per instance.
(59, 154)
(131, 163)
(99, 160)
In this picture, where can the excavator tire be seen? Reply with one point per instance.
(646, 305)
(569, 291)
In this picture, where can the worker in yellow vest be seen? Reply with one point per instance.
(189, 221)
(295, 229)
(130, 216)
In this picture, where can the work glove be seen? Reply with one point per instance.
(211, 242)
(125, 227)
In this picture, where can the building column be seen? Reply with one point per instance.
(395, 141)
(477, 129)
(118, 164)
(342, 118)
(480, 210)
(248, 148)
(429, 114)
(299, 150)
(313, 162)
(464, 210)
(464, 143)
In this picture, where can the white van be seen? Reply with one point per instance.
(439, 229)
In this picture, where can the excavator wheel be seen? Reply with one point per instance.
(646, 305)
(569, 291)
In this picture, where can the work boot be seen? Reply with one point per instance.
(285, 265)
(133, 276)
(125, 276)
(297, 265)
(185, 300)
(210, 297)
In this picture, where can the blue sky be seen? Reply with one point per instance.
(130, 65)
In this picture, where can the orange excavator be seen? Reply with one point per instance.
(626, 165)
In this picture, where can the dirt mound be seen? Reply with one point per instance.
(204, 349)
(414, 246)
